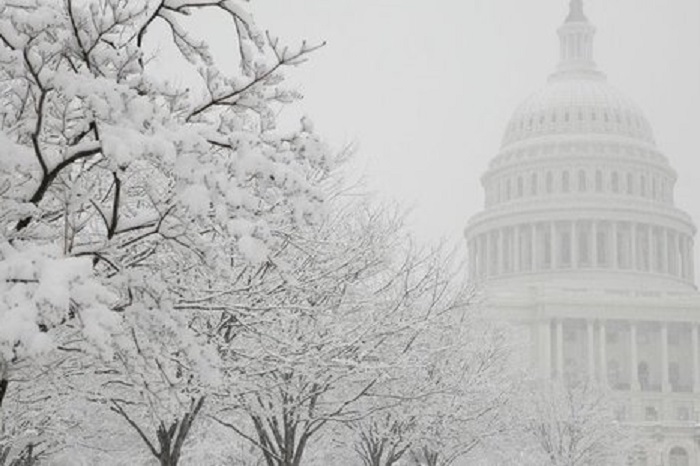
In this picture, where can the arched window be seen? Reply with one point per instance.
(651, 413)
(642, 459)
(572, 369)
(582, 181)
(584, 257)
(674, 376)
(623, 254)
(643, 375)
(615, 182)
(614, 373)
(508, 190)
(546, 249)
(602, 252)
(565, 182)
(678, 457)
(533, 184)
(521, 188)
(630, 184)
(643, 186)
(598, 181)
(653, 188)
(550, 182)
(565, 248)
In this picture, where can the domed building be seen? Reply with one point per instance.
(581, 242)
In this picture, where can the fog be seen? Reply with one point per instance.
(426, 88)
(180, 282)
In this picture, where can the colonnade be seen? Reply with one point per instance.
(578, 244)
(596, 357)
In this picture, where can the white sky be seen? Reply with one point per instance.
(427, 88)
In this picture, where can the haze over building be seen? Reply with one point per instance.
(581, 242)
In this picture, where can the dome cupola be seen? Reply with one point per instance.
(576, 41)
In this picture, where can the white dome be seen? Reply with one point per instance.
(577, 104)
(579, 190)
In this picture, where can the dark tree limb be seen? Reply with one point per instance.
(50, 176)
(116, 407)
(3, 389)
(282, 60)
(171, 438)
(112, 228)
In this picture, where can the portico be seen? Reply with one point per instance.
(562, 333)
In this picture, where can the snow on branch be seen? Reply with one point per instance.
(123, 214)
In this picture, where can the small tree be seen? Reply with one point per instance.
(571, 424)
(476, 377)
(453, 395)
(384, 438)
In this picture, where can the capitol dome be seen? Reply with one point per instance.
(575, 104)
(579, 189)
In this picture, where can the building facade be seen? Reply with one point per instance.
(581, 242)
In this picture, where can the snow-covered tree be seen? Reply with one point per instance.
(567, 424)
(125, 196)
(384, 438)
(476, 376)
(451, 398)
(334, 323)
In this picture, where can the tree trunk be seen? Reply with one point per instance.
(4, 382)
(3, 389)
(173, 438)
(170, 438)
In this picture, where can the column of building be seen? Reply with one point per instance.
(695, 359)
(574, 245)
(665, 386)
(633, 246)
(634, 363)
(590, 333)
(603, 353)
(506, 249)
(560, 347)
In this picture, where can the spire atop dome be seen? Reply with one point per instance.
(576, 44)
(576, 13)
